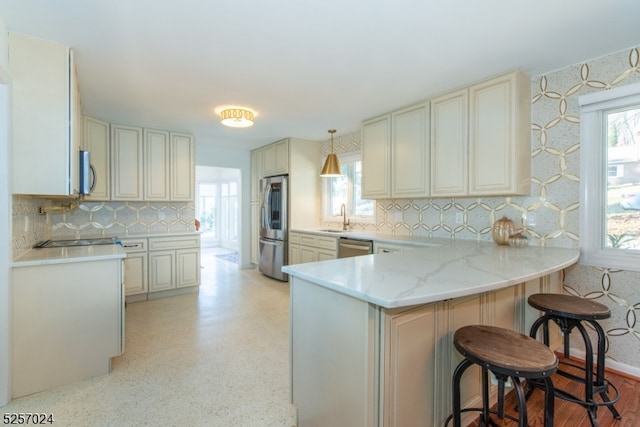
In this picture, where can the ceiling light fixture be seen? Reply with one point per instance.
(237, 117)
(332, 164)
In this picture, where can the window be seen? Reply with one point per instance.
(347, 189)
(610, 181)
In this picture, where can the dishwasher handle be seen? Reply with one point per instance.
(363, 248)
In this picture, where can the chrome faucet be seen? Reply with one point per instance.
(343, 212)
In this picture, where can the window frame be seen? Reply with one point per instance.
(361, 219)
(593, 180)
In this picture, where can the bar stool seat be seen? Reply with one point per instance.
(569, 312)
(508, 355)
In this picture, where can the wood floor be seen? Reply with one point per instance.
(569, 414)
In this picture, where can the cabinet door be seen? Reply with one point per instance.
(449, 142)
(126, 163)
(375, 147)
(308, 254)
(276, 158)
(156, 165)
(135, 273)
(96, 141)
(294, 254)
(187, 267)
(183, 162)
(499, 136)
(44, 156)
(410, 152)
(161, 270)
(409, 387)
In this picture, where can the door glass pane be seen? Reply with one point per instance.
(623, 178)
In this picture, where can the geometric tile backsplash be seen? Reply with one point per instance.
(553, 203)
(96, 219)
(552, 206)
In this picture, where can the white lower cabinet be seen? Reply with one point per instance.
(309, 247)
(135, 266)
(174, 262)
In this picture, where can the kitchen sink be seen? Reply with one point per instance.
(329, 230)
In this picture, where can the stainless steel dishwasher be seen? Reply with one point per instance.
(348, 247)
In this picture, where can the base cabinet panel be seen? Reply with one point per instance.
(162, 270)
(67, 323)
(410, 368)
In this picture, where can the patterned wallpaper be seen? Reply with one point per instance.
(96, 219)
(552, 209)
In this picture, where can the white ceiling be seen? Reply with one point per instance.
(306, 66)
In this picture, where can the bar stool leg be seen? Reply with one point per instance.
(601, 382)
(522, 403)
(457, 375)
(485, 396)
(548, 402)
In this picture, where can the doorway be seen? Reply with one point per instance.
(218, 207)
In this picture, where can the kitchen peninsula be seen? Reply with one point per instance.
(68, 315)
(371, 336)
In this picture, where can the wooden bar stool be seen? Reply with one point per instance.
(508, 355)
(569, 312)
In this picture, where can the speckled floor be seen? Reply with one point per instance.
(214, 358)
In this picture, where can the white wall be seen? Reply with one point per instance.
(206, 155)
(5, 226)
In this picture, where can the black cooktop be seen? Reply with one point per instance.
(76, 242)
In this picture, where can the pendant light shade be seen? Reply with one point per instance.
(332, 164)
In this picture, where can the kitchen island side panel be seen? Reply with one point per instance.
(66, 323)
(333, 372)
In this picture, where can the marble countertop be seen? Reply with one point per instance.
(445, 269)
(69, 254)
(84, 253)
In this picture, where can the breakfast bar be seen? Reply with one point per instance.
(371, 336)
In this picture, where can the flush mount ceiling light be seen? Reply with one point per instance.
(236, 117)
(332, 164)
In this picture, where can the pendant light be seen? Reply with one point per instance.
(332, 164)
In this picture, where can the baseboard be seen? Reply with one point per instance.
(610, 365)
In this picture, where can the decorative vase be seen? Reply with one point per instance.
(502, 230)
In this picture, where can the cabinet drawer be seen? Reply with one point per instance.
(134, 245)
(164, 243)
(294, 237)
(326, 242)
(308, 239)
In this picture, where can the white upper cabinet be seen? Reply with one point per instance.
(156, 165)
(410, 152)
(126, 163)
(151, 165)
(182, 166)
(45, 113)
(500, 136)
(276, 158)
(481, 139)
(376, 150)
(96, 141)
(449, 144)
(395, 154)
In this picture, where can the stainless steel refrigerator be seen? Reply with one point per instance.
(273, 226)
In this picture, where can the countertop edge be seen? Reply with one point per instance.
(509, 273)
